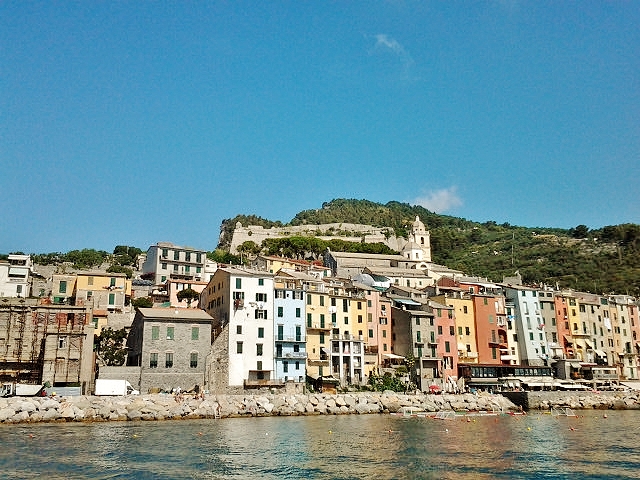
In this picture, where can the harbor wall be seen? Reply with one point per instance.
(171, 407)
(599, 400)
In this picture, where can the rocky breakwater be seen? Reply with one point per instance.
(604, 400)
(168, 407)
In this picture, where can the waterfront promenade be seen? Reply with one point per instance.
(169, 407)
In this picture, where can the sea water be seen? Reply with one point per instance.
(594, 445)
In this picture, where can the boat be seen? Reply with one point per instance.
(563, 412)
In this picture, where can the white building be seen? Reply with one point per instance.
(15, 276)
(165, 260)
(241, 304)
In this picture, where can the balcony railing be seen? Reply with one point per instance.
(295, 355)
(347, 337)
(319, 326)
(290, 338)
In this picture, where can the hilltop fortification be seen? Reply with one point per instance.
(345, 231)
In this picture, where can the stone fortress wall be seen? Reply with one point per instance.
(350, 232)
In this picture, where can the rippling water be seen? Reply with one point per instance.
(535, 446)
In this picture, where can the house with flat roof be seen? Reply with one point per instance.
(171, 346)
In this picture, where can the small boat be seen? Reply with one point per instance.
(563, 412)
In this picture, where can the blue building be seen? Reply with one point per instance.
(290, 352)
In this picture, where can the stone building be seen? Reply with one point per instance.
(170, 345)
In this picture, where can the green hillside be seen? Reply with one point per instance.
(606, 260)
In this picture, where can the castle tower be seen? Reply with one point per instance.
(419, 246)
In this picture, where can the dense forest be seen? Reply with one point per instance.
(606, 260)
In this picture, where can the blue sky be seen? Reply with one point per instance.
(129, 123)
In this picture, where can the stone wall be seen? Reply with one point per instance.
(604, 400)
(371, 234)
(170, 407)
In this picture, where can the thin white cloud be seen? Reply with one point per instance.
(440, 201)
(388, 45)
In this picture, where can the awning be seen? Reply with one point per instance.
(589, 345)
(406, 301)
(568, 339)
(18, 272)
(393, 356)
(600, 353)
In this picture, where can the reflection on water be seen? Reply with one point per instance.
(336, 447)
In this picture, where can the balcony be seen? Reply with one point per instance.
(469, 355)
(290, 338)
(348, 337)
(292, 355)
(508, 358)
(318, 362)
(319, 326)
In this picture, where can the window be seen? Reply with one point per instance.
(259, 365)
(168, 361)
(198, 257)
(298, 333)
(297, 365)
(163, 266)
(452, 330)
(176, 255)
(439, 329)
(238, 283)
(359, 318)
(153, 360)
(62, 342)
(417, 321)
(322, 300)
(193, 361)
(187, 256)
(371, 333)
(346, 320)
(321, 338)
(418, 336)
(285, 367)
(359, 305)
(467, 331)
(260, 332)
(238, 347)
(63, 286)
(187, 268)
(308, 299)
(384, 334)
(155, 332)
(261, 281)
(447, 347)
(112, 299)
(261, 297)
(464, 309)
(280, 312)
(165, 252)
(112, 282)
(298, 313)
(239, 329)
(345, 305)
(259, 350)
(490, 318)
(309, 323)
(261, 314)
(195, 333)
(170, 333)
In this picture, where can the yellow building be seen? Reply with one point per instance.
(318, 328)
